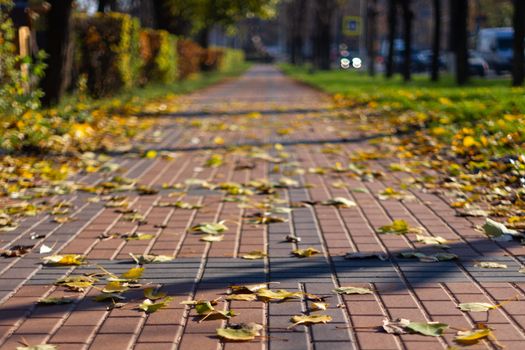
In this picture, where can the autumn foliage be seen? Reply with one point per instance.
(108, 52)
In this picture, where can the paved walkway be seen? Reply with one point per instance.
(255, 112)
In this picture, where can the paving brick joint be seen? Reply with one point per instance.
(263, 107)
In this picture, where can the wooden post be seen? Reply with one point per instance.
(24, 45)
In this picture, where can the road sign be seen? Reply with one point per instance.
(352, 25)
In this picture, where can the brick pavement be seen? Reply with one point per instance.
(260, 109)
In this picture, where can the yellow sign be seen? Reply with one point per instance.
(352, 25)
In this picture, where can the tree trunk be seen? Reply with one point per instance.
(371, 37)
(166, 20)
(144, 10)
(436, 41)
(459, 35)
(518, 64)
(296, 15)
(408, 16)
(323, 33)
(58, 41)
(203, 37)
(392, 27)
(104, 4)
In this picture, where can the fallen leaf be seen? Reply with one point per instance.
(442, 257)
(396, 327)
(340, 202)
(150, 258)
(133, 274)
(38, 347)
(241, 332)
(360, 255)
(137, 236)
(431, 240)
(249, 288)
(135, 218)
(476, 307)
(144, 190)
(212, 238)
(76, 283)
(266, 218)
(411, 255)
(242, 297)
(108, 296)
(431, 329)
(114, 287)
(305, 253)
(150, 294)
(490, 265)
(150, 306)
(390, 193)
(287, 182)
(474, 212)
(16, 251)
(498, 231)
(150, 154)
(179, 205)
(196, 302)
(352, 290)
(63, 260)
(55, 301)
(472, 336)
(210, 228)
(214, 161)
(267, 295)
(428, 258)
(399, 227)
(281, 210)
(63, 219)
(292, 239)
(205, 308)
(319, 305)
(308, 320)
(254, 255)
(339, 184)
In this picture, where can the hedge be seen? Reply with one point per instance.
(113, 52)
(211, 58)
(231, 59)
(190, 57)
(108, 52)
(158, 50)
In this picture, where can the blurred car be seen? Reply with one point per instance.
(418, 63)
(477, 64)
(495, 46)
(425, 59)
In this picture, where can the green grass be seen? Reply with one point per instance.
(482, 98)
(348, 81)
(484, 108)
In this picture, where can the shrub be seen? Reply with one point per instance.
(108, 46)
(158, 50)
(231, 59)
(18, 76)
(211, 59)
(190, 54)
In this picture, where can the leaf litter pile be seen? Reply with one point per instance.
(475, 184)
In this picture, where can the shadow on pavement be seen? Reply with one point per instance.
(392, 275)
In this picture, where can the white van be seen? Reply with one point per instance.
(495, 46)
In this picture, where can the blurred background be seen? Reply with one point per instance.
(465, 38)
